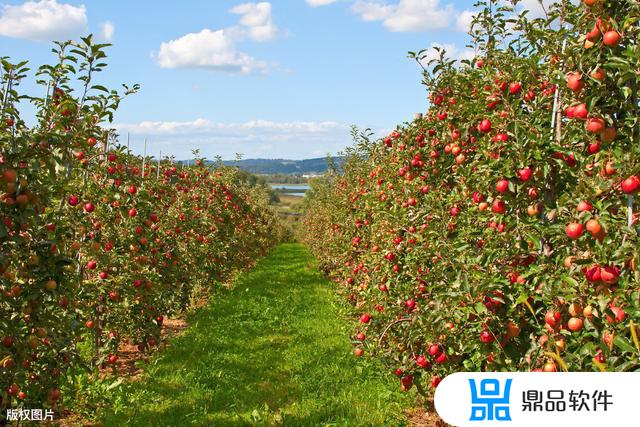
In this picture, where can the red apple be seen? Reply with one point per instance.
(595, 125)
(407, 382)
(435, 381)
(584, 206)
(515, 88)
(525, 174)
(574, 230)
(611, 38)
(7, 341)
(552, 318)
(594, 147)
(580, 111)
(575, 324)
(486, 337)
(498, 206)
(434, 349)
(609, 274)
(631, 184)
(502, 186)
(422, 362)
(574, 81)
(485, 126)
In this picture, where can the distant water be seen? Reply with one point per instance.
(302, 187)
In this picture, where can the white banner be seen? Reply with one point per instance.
(534, 399)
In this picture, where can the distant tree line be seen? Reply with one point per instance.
(284, 178)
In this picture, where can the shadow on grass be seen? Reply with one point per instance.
(272, 351)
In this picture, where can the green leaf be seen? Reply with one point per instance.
(623, 344)
(116, 383)
(570, 280)
(480, 308)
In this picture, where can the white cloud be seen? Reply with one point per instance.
(370, 11)
(406, 15)
(299, 139)
(216, 49)
(107, 29)
(205, 126)
(463, 23)
(316, 3)
(428, 15)
(256, 18)
(43, 20)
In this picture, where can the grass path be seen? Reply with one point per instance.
(272, 351)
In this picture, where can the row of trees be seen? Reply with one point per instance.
(98, 246)
(499, 231)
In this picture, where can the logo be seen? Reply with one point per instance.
(487, 402)
(533, 399)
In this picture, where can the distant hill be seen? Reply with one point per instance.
(274, 166)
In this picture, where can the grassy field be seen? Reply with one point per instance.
(272, 351)
(291, 201)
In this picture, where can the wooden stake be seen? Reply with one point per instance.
(144, 160)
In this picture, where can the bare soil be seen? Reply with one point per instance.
(425, 416)
(126, 367)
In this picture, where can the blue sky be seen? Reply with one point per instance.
(278, 79)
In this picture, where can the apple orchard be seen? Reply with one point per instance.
(98, 246)
(499, 231)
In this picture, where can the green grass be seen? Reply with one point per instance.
(289, 200)
(272, 351)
